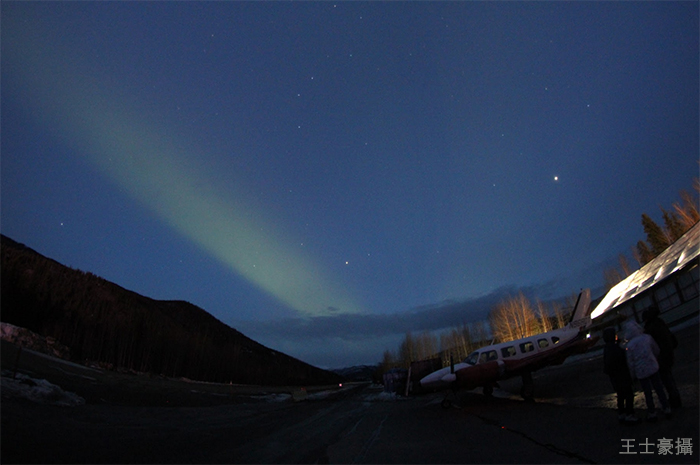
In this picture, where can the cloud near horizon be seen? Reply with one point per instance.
(360, 339)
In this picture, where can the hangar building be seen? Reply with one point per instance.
(669, 281)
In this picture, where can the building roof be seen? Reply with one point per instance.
(674, 258)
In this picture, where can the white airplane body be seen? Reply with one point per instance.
(485, 366)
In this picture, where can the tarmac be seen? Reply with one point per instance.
(572, 421)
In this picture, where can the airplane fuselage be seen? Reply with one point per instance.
(489, 364)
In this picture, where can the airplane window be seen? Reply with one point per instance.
(555, 340)
(488, 356)
(508, 351)
(472, 358)
(543, 343)
(526, 347)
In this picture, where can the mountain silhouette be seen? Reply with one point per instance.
(103, 323)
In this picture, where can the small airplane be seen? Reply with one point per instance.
(489, 364)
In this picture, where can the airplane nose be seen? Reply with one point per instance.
(430, 380)
(438, 379)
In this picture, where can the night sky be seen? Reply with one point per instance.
(326, 176)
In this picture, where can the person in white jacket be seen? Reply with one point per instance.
(641, 360)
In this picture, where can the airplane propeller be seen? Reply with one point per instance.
(451, 377)
(446, 403)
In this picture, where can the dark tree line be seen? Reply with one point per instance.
(102, 322)
(676, 222)
(682, 216)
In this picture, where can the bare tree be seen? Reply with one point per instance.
(458, 342)
(479, 333)
(611, 276)
(389, 361)
(625, 265)
(558, 315)
(407, 350)
(426, 346)
(614, 275)
(687, 209)
(513, 318)
(502, 322)
(545, 322)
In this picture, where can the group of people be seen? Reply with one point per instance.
(647, 356)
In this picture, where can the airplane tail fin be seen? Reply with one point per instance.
(580, 318)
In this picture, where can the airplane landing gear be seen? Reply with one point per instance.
(446, 402)
(528, 390)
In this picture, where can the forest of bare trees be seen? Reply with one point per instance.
(513, 318)
(516, 318)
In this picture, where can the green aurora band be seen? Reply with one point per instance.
(107, 125)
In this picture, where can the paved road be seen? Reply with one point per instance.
(572, 422)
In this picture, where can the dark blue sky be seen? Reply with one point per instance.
(325, 176)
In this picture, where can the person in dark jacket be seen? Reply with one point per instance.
(615, 366)
(667, 342)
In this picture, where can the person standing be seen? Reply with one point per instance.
(615, 366)
(641, 360)
(667, 342)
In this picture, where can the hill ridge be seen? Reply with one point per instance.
(103, 322)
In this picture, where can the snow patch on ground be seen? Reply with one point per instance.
(273, 397)
(209, 393)
(30, 340)
(38, 390)
(383, 397)
(299, 395)
(324, 394)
